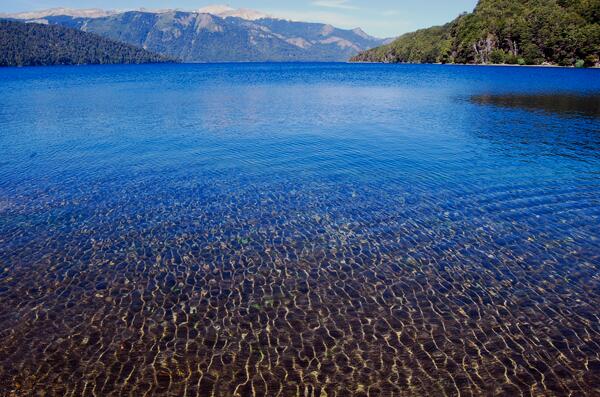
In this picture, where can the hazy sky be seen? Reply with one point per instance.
(384, 18)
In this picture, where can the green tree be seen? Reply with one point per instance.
(512, 31)
(33, 44)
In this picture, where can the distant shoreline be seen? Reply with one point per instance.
(474, 64)
(175, 62)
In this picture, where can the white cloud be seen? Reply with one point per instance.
(333, 18)
(372, 24)
(339, 4)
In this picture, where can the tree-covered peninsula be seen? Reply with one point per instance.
(531, 32)
(34, 44)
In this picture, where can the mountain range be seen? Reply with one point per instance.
(532, 32)
(213, 34)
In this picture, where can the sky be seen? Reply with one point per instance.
(382, 18)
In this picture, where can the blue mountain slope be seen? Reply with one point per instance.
(200, 37)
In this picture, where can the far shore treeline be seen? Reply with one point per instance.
(526, 32)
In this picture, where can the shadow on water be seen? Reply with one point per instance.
(560, 104)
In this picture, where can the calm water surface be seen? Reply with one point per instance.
(299, 230)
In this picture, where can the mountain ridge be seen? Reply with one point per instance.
(223, 11)
(204, 37)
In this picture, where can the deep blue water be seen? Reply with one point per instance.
(299, 228)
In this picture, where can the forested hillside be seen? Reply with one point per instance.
(24, 44)
(533, 32)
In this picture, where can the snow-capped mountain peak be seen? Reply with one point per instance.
(215, 9)
(225, 11)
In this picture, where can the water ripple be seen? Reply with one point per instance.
(309, 230)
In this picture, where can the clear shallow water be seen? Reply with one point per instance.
(299, 230)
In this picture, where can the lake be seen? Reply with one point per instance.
(299, 230)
